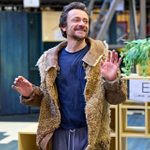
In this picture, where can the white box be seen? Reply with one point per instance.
(139, 90)
(31, 3)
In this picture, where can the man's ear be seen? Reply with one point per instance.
(63, 28)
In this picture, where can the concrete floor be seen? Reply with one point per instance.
(10, 126)
(9, 134)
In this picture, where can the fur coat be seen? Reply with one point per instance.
(99, 94)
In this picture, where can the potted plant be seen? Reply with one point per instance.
(136, 52)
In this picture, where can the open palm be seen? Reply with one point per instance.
(110, 66)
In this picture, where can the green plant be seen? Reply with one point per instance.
(136, 52)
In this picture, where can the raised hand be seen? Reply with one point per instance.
(23, 86)
(110, 66)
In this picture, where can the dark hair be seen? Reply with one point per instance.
(64, 14)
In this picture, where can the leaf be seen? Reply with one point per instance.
(135, 52)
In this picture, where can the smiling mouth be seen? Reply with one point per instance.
(81, 30)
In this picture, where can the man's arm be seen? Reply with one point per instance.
(30, 94)
(115, 91)
(115, 87)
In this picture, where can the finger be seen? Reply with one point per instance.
(101, 63)
(15, 88)
(17, 82)
(112, 58)
(24, 83)
(116, 57)
(20, 78)
(119, 61)
(108, 57)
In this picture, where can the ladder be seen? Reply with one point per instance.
(106, 13)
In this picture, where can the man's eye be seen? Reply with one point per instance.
(76, 20)
(85, 21)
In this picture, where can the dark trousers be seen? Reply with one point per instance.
(75, 139)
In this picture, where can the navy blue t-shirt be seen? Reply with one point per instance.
(71, 82)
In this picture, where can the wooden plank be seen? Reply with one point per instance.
(27, 138)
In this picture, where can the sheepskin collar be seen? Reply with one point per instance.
(91, 58)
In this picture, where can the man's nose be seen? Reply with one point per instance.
(82, 22)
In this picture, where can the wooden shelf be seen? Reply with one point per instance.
(135, 76)
(114, 127)
(113, 134)
(133, 135)
(27, 138)
(126, 131)
(132, 107)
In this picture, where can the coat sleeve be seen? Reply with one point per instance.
(115, 91)
(34, 99)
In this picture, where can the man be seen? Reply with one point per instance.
(79, 78)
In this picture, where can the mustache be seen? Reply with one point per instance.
(85, 29)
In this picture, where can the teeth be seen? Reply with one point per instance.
(80, 30)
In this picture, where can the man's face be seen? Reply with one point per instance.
(77, 24)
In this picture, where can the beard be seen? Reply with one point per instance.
(79, 38)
